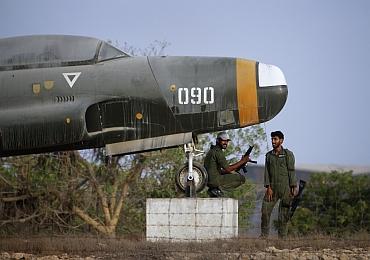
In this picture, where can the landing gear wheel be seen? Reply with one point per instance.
(198, 183)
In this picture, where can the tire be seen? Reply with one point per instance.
(199, 173)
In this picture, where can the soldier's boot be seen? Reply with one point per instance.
(215, 193)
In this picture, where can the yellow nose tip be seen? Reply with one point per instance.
(247, 92)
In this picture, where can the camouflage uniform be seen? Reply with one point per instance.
(215, 161)
(280, 175)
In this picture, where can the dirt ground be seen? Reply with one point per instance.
(82, 247)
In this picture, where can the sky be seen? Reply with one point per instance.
(323, 48)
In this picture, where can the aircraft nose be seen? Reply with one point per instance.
(272, 91)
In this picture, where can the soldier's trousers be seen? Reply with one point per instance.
(283, 215)
(229, 181)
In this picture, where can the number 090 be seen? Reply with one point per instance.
(196, 96)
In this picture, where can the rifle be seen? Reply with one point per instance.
(247, 153)
(297, 199)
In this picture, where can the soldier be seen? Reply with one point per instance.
(221, 175)
(280, 183)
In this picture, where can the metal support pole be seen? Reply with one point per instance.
(190, 185)
(191, 152)
(190, 163)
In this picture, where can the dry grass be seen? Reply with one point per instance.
(139, 248)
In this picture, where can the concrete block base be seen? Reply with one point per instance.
(191, 219)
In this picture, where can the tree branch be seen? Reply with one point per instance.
(19, 220)
(90, 221)
(101, 195)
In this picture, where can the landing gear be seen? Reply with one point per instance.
(191, 177)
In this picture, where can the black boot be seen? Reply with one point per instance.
(215, 193)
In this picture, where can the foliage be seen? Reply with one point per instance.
(240, 139)
(40, 189)
(60, 185)
(246, 196)
(156, 181)
(334, 203)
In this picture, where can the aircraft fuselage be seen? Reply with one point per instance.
(127, 104)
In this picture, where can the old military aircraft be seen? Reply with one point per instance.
(61, 92)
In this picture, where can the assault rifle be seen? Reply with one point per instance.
(297, 198)
(247, 153)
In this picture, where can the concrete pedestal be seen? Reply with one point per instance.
(191, 219)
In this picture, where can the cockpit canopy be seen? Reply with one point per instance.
(42, 51)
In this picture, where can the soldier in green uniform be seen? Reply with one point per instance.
(280, 183)
(221, 175)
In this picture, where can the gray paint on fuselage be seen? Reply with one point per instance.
(188, 72)
(116, 98)
(129, 79)
(198, 72)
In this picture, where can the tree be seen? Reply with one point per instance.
(40, 187)
(57, 186)
(334, 203)
(111, 184)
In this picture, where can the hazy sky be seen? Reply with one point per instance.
(323, 48)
